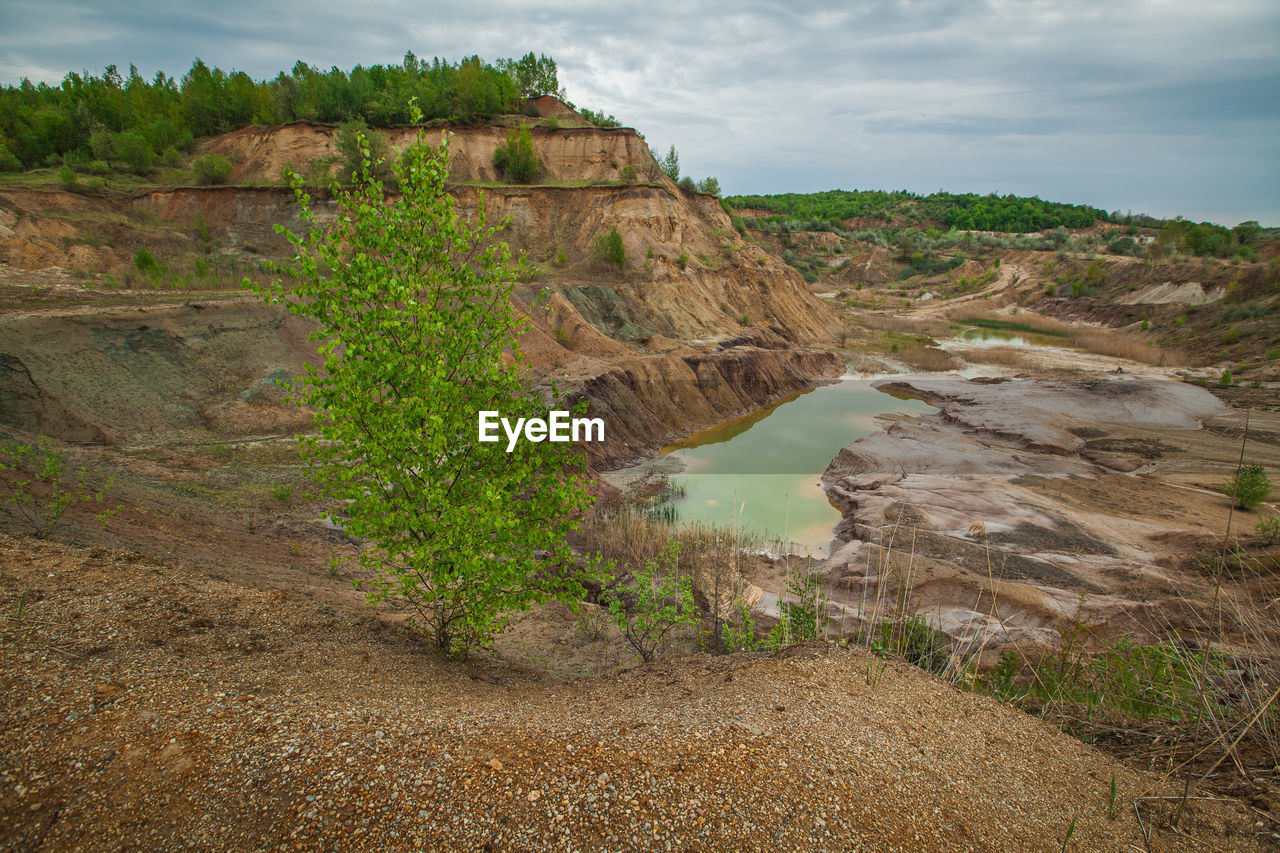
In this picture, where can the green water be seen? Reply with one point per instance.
(998, 337)
(763, 471)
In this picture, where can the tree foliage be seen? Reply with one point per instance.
(417, 336)
(964, 211)
(516, 159)
(650, 603)
(1249, 487)
(352, 139)
(608, 248)
(533, 75)
(670, 164)
(39, 122)
(211, 169)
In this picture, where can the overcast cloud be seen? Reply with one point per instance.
(1161, 106)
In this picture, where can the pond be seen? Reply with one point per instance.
(762, 472)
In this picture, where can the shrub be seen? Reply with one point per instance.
(357, 144)
(1249, 488)
(67, 177)
(145, 262)
(516, 160)
(171, 157)
(134, 150)
(608, 248)
(211, 169)
(30, 469)
(9, 162)
(651, 602)
(687, 184)
(628, 174)
(599, 119)
(1269, 529)
(709, 185)
(683, 260)
(551, 123)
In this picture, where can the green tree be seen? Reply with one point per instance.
(1249, 488)
(417, 336)
(670, 164)
(516, 159)
(533, 75)
(709, 185)
(351, 141)
(134, 150)
(211, 169)
(608, 248)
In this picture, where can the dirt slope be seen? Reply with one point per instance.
(148, 707)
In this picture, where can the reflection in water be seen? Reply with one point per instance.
(763, 471)
(996, 338)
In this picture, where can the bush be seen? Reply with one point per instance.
(171, 157)
(145, 261)
(608, 248)
(8, 162)
(67, 177)
(651, 602)
(356, 144)
(211, 169)
(683, 260)
(1249, 488)
(687, 184)
(133, 149)
(27, 465)
(517, 160)
(628, 174)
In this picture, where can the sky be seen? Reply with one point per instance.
(1166, 107)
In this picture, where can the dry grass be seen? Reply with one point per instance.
(1108, 342)
(928, 359)
(1001, 356)
(905, 325)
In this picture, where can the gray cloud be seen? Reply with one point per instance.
(1167, 107)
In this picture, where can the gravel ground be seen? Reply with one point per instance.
(148, 707)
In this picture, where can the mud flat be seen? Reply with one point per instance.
(1019, 502)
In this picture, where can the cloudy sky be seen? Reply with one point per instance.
(1160, 106)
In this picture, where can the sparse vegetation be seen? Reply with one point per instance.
(1249, 488)
(517, 160)
(608, 248)
(33, 480)
(211, 169)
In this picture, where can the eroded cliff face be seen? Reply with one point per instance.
(566, 153)
(697, 326)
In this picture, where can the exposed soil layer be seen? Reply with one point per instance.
(152, 707)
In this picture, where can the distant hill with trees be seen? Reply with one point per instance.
(88, 118)
(964, 211)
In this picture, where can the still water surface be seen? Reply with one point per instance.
(763, 471)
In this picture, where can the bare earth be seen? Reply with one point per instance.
(149, 707)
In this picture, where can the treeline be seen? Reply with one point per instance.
(964, 211)
(134, 120)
